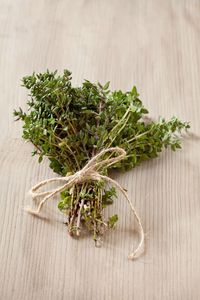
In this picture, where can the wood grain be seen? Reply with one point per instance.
(154, 45)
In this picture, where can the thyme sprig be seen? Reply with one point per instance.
(69, 125)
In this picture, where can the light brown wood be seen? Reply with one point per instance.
(154, 45)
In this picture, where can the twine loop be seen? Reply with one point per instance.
(91, 171)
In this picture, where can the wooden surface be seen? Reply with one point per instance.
(156, 46)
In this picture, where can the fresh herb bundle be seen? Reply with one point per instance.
(70, 125)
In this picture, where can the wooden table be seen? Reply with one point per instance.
(154, 45)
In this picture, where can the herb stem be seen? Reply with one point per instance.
(138, 136)
(79, 218)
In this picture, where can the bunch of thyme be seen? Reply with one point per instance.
(70, 125)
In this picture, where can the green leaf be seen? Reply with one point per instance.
(106, 86)
(112, 221)
(40, 159)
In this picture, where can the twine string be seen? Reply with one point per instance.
(91, 171)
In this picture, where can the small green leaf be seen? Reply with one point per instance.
(106, 86)
(40, 159)
(112, 221)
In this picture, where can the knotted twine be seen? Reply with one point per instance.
(91, 171)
